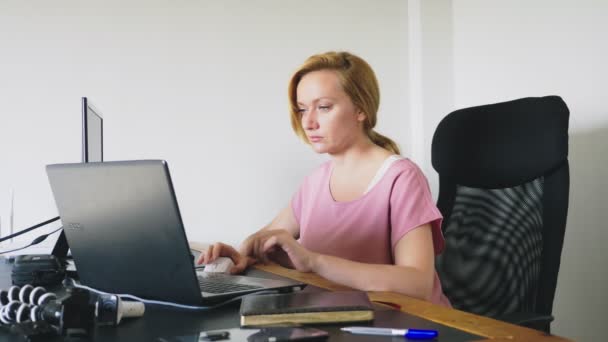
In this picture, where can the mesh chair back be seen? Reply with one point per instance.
(502, 172)
(495, 236)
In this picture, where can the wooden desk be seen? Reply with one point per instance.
(493, 329)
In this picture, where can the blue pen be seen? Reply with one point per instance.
(414, 334)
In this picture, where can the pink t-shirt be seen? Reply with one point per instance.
(368, 228)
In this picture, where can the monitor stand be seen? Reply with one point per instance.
(61, 247)
(60, 251)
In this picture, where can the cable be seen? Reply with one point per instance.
(35, 242)
(29, 229)
(171, 304)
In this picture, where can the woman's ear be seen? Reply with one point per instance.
(361, 117)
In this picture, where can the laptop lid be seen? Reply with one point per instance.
(124, 228)
(123, 223)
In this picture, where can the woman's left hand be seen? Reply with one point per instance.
(302, 259)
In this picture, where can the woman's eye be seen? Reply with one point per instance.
(324, 108)
(301, 110)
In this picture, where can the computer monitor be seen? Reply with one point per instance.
(92, 133)
(92, 151)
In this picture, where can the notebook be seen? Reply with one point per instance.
(125, 231)
(306, 307)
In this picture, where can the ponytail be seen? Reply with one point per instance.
(383, 141)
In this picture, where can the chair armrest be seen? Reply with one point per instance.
(530, 320)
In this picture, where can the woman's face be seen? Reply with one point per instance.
(331, 121)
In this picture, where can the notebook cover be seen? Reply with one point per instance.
(298, 302)
(306, 307)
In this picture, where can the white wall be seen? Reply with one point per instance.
(202, 84)
(509, 49)
(437, 80)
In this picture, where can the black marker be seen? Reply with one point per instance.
(214, 336)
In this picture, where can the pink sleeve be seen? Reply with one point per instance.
(412, 206)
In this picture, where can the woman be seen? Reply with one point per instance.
(364, 219)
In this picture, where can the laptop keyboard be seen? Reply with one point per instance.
(220, 283)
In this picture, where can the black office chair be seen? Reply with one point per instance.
(503, 192)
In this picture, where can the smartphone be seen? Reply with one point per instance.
(269, 334)
(279, 334)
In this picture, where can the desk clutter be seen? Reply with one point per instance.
(306, 308)
(72, 314)
(36, 314)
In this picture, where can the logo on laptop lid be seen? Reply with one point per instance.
(74, 226)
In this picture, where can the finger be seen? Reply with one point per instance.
(267, 248)
(201, 258)
(255, 244)
(251, 261)
(218, 250)
(270, 243)
(256, 239)
(242, 265)
(261, 255)
(207, 256)
(229, 251)
(246, 247)
(239, 266)
(223, 250)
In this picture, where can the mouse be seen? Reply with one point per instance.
(219, 265)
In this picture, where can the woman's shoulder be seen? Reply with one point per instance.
(404, 164)
(321, 169)
(319, 173)
(405, 168)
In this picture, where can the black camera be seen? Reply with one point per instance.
(38, 270)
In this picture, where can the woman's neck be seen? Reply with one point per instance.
(363, 151)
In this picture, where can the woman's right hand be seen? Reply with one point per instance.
(253, 246)
(219, 249)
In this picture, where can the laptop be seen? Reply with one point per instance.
(126, 234)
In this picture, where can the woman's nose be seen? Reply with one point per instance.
(309, 121)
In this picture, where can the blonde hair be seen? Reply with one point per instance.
(358, 81)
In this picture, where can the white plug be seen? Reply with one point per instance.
(110, 309)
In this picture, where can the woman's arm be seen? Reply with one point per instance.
(285, 220)
(412, 274)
